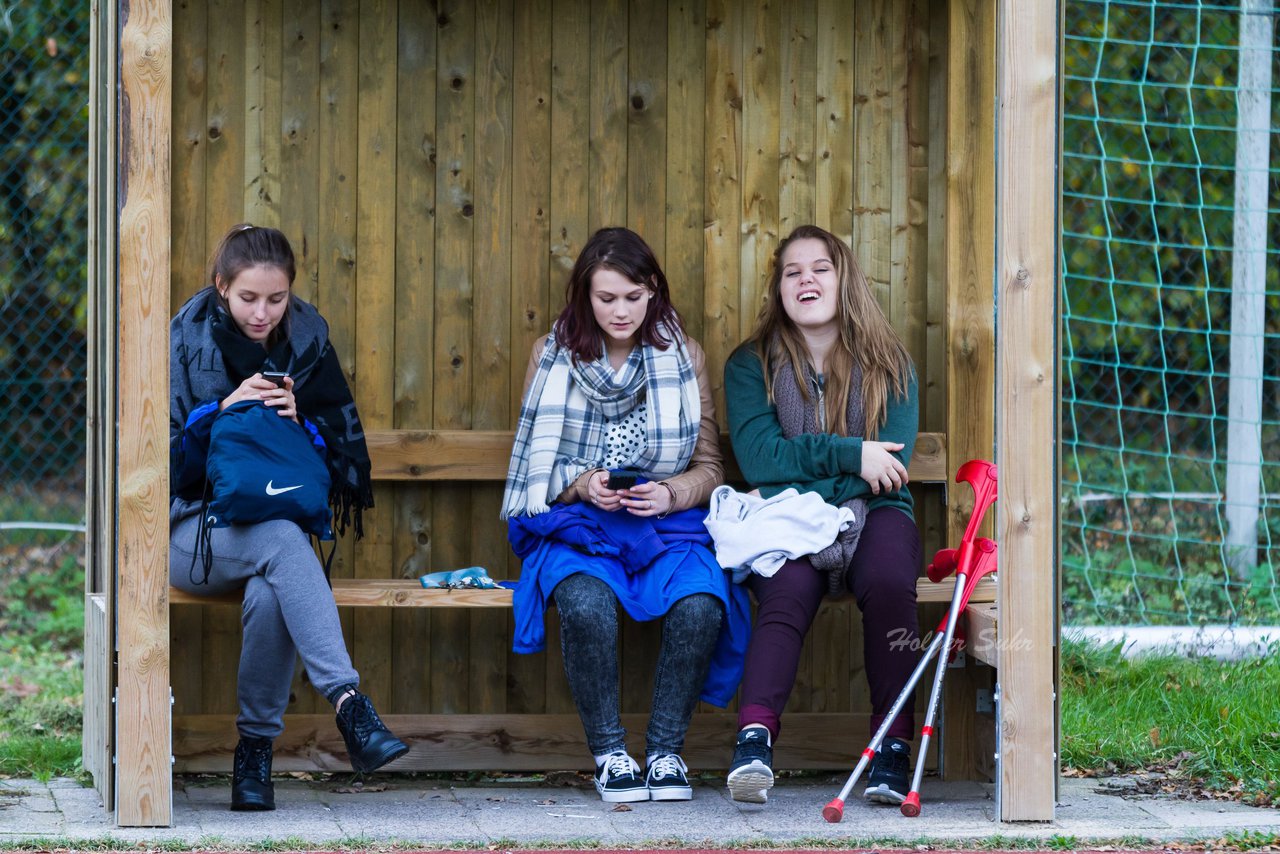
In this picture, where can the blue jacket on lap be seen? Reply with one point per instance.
(649, 563)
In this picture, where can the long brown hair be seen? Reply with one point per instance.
(244, 246)
(866, 339)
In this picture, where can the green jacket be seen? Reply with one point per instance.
(815, 462)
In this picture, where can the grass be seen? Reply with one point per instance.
(1200, 726)
(41, 622)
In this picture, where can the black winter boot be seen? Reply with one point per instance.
(370, 745)
(251, 787)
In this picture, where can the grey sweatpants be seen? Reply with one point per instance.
(288, 611)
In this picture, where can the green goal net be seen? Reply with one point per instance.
(1171, 329)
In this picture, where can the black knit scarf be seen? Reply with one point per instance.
(212, 357)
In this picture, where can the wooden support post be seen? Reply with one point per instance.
(143, 739)
(1027, 155)
(970, 357)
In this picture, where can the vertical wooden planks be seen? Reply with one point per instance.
(189, 146)
(607, 184)
(646, 123)
(797, 115)
(530, 241)
(490, 630)
(298, 132)
(375, 312)
(646, 167)
(686, 96)
(223, 196)
(760, 129)
(1027, 402)
(414, 331)
(552, 146)
(873, 153)
(262, 150)
(336, 250)
(970, 222)
(570, 134)
(452, 379)
(187, 242)
(910, 189)
(833, 168)
(721, 194)
(143, 714)
(968, 272)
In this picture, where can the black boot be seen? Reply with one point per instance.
(370, 745)
(251, 787)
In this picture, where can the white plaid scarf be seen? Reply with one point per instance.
(562, 427)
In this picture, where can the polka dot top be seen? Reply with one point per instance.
(625, 440)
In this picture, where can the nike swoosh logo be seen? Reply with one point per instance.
(271, 490)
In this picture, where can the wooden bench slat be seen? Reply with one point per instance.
(514, 742)
(435, 455)
(407, 593)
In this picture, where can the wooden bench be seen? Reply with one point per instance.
(482, 455)
(510, 742)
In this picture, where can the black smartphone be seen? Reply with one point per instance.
(619, 479)
(276, 377)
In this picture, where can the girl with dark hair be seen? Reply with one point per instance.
(246, 322)
(822, 397)
(616, 450)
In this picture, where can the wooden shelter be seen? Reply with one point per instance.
(437, 166)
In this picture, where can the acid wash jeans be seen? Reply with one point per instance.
(589, 642)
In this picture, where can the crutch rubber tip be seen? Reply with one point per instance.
(911, 806)
(833, 811)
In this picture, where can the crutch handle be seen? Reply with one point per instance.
(943, 564)
(834, 811)
(911, 806)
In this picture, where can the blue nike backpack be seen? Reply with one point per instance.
(262, 467)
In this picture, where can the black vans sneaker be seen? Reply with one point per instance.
(666, 779)
(618, 780)
(890, 776)
(751, 774)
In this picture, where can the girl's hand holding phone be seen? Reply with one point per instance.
(258, 387)
(647, 499)
(599, 493)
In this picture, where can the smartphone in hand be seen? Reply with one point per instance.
(276, 377)
(621, 479)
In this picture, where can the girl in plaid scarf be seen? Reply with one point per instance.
(618, 385)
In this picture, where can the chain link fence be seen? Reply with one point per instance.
(44, 98)
(1171, 186)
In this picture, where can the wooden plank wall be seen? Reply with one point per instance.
(439, 165)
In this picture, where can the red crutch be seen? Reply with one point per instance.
(975, 559)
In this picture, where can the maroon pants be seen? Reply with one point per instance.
(882, 578)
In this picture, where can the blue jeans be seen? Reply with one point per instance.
(589, 641)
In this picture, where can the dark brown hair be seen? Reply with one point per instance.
(625, 253)
(243, 247)
(866, 338)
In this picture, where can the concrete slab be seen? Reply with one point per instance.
(437, 814)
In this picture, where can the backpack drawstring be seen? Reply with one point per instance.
(204, 540)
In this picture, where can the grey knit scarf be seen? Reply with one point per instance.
(798, 416)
